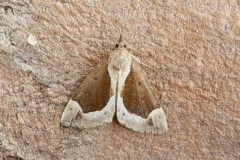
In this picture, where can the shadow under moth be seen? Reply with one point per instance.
(117, 85)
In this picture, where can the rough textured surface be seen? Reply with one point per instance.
(193, 48)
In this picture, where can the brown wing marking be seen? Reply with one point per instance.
(137, 95)
(94, 92)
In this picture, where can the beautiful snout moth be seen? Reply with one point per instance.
(117, 85)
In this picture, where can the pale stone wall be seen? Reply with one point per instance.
(192, 48)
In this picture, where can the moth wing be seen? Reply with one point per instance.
(91, 104)
(94, 92)
(137, 94)
(138, 109)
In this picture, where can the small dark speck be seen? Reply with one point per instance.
(54, 157)
(13, 158)
(139, 83)
(7, 9)
(61, 1)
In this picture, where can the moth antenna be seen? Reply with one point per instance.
(139, 61)
(133, 50)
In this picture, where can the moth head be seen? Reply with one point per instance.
(120, 44)
(120, 58)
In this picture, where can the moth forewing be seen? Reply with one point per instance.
(137, 108)
(94, 92)
(137, 93)
(92, 104)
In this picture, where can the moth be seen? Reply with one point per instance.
(116, 86)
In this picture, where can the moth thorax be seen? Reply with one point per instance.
(121, 60)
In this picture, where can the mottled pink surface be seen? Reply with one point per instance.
(192, 48)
